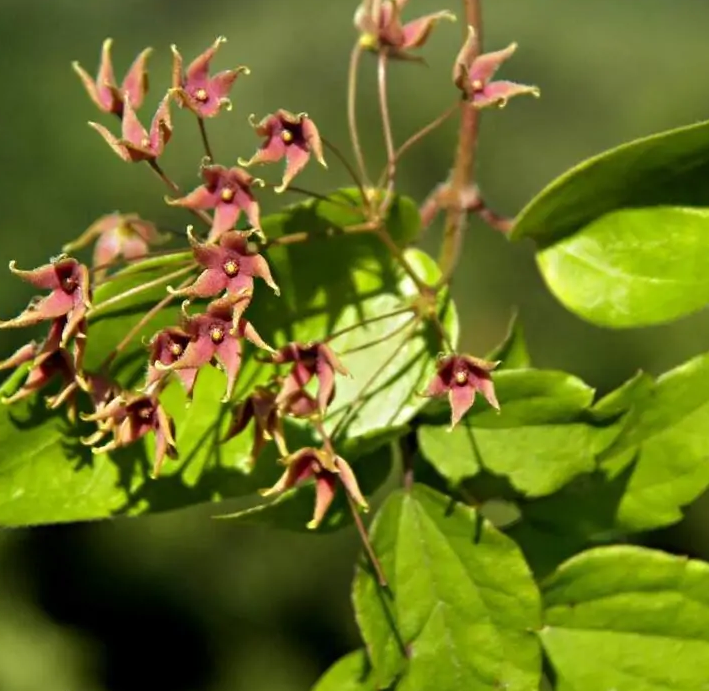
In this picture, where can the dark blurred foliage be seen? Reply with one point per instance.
(182, 602)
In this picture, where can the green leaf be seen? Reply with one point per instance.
(461, 606)
(632, 267)
(652, 462)
(665, 169)
(628, 619)
(350, 673)
(328, 284)
(540, 440)
(664, 451)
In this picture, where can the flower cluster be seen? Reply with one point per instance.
(226, 266)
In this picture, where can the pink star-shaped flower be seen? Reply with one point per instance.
(327, 469)
(230, 266)
(473, 75)
(289, 136)
(461, 376)
(135, 142)
(104, 91)
(228, 192)
(196, 90)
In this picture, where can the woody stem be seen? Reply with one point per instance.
(381, 578)
(352, 113)
(463, 173)
(205, 139)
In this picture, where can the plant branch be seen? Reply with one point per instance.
(205, 139)
(352, 113)
(348, 167)
(386, 126)
(463, 173)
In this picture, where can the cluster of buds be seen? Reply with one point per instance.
(227, 263)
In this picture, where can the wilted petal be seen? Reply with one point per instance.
(499, 92)
(416, 32)
(349, 481)
(484, 66)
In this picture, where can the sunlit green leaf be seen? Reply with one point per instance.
(665, 169)
(540, 439)
(461, 606)
(632, 267)
(628, 619)
(350, 673)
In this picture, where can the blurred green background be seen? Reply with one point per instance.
(181, 602)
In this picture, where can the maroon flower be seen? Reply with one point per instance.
(104, 91)
(196, 90)
(129, 417)
(327, 469)
(310, 360)
(48, 360)
(260, 407)
(135, 142)
(117, 235)
(68, 281)
(166, 348)
(289, 136)
(461, 376)
(216, 335)
(473, 75)
(228, 192)
(231, 265)
(385, 32)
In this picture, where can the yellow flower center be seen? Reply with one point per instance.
(231, 268)
(461, 377)
(216, 334)
(69, 284)
(477, 85)
(145, 143)
(227, 195)
(201, 95)
(176, 349)
(287, 136)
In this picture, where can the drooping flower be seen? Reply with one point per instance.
(68, 283)
(261, 407)
(166, 348)
(289, 136)
(117, 235)
(228, 192)
(327, 469)
(473, 75)
(49, 360)
(196, 90)
(386, 32)
(135, 142)
(309, 360)
(104, 91)
(229, 266)
(461, 376)
(216, 335)
(128, 418)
